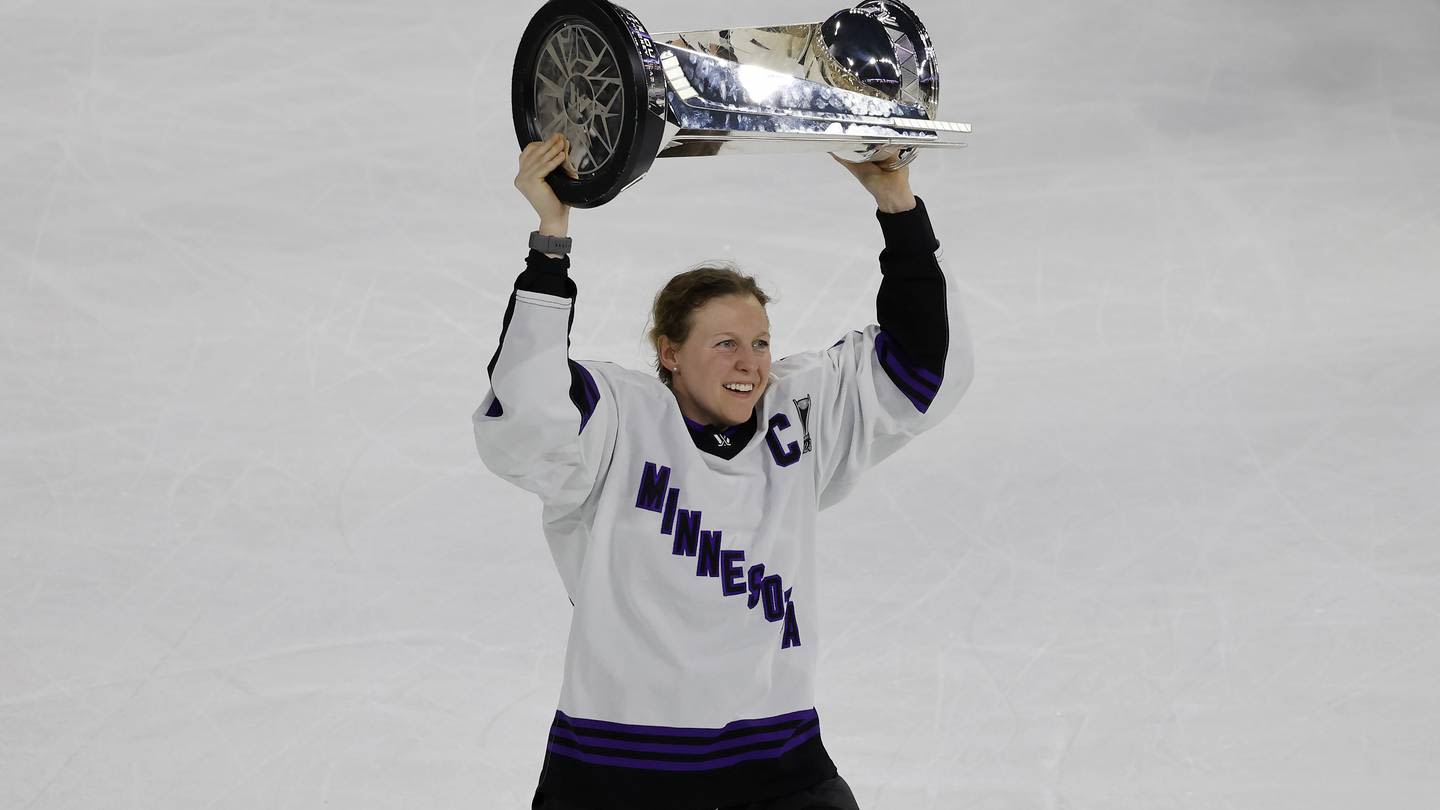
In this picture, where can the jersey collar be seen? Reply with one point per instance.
(724, 442)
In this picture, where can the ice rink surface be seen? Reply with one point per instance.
(1179, 548)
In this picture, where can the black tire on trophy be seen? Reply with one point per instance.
(578, 71)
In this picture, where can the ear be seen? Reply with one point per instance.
(668, 349)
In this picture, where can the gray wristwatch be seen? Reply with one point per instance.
(549, 244)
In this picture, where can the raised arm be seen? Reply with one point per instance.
(537, 428)
(911, 307)
(891, 381)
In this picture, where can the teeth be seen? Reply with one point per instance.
(740, 386)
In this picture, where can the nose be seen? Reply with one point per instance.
(747, 359)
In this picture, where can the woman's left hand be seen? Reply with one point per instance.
(891, 189)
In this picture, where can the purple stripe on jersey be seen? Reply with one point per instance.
(927, 375)
(668, 765)
(895, 360)
(921, 405)
(589, 741)
(495, 410)
(589, 394)
(673, 731)
(903, 374)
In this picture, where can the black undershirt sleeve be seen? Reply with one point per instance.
(545, 274)
(910, 306)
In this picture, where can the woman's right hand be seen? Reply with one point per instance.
(537, 160)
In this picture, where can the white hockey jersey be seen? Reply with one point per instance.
(690, 665)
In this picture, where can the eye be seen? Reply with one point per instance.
(762, 345)
(727, 343)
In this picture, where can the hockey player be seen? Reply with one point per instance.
(680, 511)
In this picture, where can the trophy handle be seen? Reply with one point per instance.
(589, 70)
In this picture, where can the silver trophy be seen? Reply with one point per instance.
(861, 85)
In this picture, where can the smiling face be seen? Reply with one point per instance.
(728, 345)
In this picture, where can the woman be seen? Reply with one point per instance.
(680, 511)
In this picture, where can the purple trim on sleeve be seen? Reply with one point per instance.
(919, 385)
(495, 409)
(585, 395)
(927, 375)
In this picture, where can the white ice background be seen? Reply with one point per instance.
(1178, 548)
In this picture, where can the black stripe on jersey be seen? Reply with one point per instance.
(793, 723)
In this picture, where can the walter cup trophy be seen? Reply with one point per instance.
(862, 81)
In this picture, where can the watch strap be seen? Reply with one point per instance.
(549, 244)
